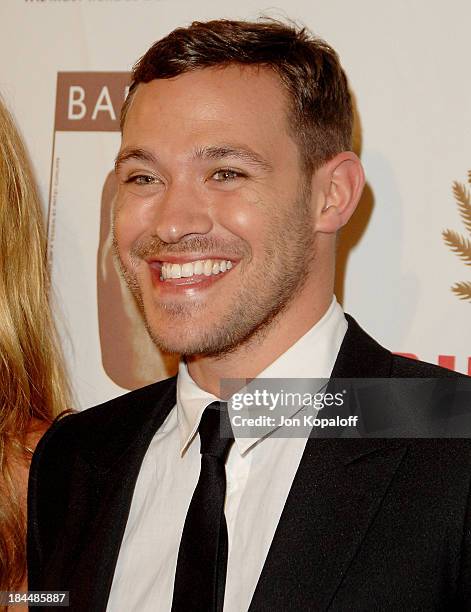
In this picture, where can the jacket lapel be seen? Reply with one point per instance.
(335, 495)
(105, 477)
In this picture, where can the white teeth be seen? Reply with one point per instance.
(176, 271)
(187, 270)
(208, 267)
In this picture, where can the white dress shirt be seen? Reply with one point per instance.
(259, 476)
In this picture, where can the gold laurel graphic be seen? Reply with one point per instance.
(457, 243)
(461, 246)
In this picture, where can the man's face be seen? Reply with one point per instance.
(213, 225)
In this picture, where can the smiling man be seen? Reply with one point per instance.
(222, 231)
(235, 174)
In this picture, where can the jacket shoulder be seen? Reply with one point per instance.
(404, 367)
(94, 428)
(363, 357)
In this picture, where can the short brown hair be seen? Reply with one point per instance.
(320, 116)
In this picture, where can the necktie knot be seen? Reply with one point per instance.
(215, 431)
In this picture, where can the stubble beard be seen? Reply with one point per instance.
(256, 307)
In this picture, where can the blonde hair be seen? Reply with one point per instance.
(32, 377)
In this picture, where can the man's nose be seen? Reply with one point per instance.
(182, 212)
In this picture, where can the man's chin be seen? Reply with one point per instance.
(183, 328)
(176, 339)
(191, 342)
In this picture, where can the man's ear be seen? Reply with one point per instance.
(339, 184)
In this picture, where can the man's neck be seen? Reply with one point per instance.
(255, 355)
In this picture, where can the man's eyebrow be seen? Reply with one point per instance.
(209, 152)
(243, 153)
(134, 154)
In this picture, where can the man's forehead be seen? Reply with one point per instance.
(211, 107)
(250, 89)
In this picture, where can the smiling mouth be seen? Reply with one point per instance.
(191, 269)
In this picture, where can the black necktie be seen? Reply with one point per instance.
(200, 577)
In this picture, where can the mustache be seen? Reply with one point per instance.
(154, 247)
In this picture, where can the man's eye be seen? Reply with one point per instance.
(226, 175)
(142, 179)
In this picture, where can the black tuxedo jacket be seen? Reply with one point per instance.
(369, 524)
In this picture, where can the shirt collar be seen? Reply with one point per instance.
(191, 402)
(312, 356)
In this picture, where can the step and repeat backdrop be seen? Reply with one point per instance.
(404, 263)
